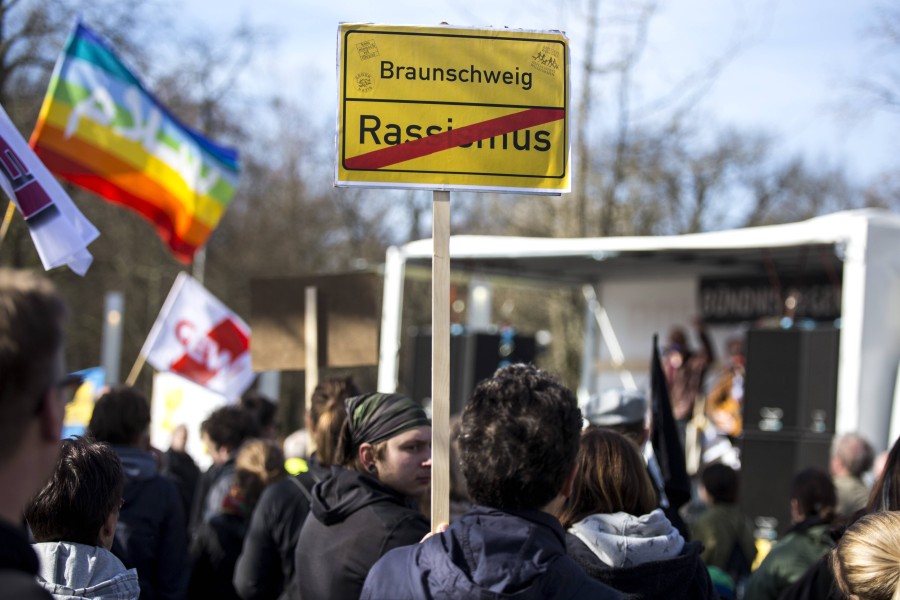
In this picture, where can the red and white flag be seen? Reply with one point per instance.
(201, 339)
(58, 229)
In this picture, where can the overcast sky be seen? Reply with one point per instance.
(796, 66)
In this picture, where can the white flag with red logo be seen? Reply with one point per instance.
(59, 231)
(199, 338)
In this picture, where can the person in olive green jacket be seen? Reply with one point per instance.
(725, 531)
(812, 509)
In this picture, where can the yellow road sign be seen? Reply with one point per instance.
(453, 108)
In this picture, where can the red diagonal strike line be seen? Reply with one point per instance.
(383, 157)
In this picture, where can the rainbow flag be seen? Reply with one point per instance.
(100, 129)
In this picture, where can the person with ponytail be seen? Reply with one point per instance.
(266, 563)
(218, 542)
(368, 505)
(866, 562)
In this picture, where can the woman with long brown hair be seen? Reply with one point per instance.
(616, 531)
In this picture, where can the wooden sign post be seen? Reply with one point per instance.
(311, 340)
(440, 360)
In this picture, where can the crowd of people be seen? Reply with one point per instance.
(550, 499)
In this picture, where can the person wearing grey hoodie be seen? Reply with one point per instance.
(71, 571)
(73, 520)
(617, 534)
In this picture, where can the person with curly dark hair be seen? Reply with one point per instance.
(518, 443)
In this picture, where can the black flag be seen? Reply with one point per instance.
(666, 443)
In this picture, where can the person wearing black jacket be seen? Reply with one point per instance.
(682, 576)
(32, 407)
(217, 543)
(355, 519)
(18, 565)
(266, 562)
(223, 432)
(181, 468)
(368, 505)
(151, 528)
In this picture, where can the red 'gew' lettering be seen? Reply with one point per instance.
(206, 355)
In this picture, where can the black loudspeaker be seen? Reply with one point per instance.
(791, 381)
(790, 395)
(418, 381)
(769, 462)
(473, 357)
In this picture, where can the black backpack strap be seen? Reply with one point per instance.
(738, 566)
(306, 492)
